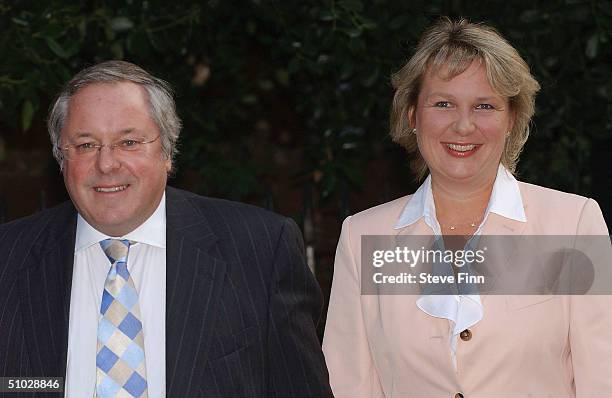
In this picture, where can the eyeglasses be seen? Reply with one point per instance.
(88, 150)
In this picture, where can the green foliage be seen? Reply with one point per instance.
(316, 73)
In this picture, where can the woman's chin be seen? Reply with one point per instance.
(463, 174)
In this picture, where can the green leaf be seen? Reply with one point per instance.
(117, 50)
(56, 48)
(529, 16)
(369, 82)
(592, 47)
(121, 24)
(249, 99)
(369, 25)
(73, 47)
(138, 43)
(282, 76)
(19, 21)
(399, 21)
(353, 32)
(266, 85)
(27, 113)
(351, 5)
(327, 16)
(53, 30)
(82, 27)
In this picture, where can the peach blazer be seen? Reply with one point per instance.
(525, 346)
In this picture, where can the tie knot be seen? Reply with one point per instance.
(116, 249)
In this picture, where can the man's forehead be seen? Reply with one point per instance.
(130, 131)
(102, 109)
(109, 93)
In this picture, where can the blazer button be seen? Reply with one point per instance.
(458, 395)
(466, 335)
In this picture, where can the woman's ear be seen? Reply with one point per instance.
(512, 117)
(411, 115)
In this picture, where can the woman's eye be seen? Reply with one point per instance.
(485, 106)
(85, 145)
(442, 104)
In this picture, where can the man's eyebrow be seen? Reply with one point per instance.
(82, 134)
(87, 134)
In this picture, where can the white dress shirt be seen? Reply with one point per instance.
(463, 311)
(147, 266)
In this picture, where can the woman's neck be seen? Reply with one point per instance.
(460, 208)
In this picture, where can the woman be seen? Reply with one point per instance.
(462, 108)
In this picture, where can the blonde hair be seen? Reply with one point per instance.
(452, 47)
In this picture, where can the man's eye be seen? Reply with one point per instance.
(442, 104)
(85, 146)
(128, 143)
(485, 106)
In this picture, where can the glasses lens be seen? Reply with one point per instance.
(84, 149)
(129, 145)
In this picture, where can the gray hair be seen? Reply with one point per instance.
(161, 102)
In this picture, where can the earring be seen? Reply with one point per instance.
(413, 131)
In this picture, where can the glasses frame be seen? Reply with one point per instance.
(98, 147)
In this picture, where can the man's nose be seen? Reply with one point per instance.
(107, 160)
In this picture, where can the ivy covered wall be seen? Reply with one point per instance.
(285, 103)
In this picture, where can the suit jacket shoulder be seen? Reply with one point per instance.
(560, 212)
(231, 223)
(232, 213)
(378, 219)
(40, 230)
(241, 282)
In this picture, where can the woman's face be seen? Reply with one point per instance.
(461, 126)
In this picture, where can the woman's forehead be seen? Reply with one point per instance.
(472, 77)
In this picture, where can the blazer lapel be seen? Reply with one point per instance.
(501, 236)
(45, 285)
(194, 282)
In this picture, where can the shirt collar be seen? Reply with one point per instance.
(151, 232)
(505, 201)
(419, 205)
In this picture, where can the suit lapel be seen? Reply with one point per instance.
(194, 282)
(45, 285)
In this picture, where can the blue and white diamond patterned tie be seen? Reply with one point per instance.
(120, 359)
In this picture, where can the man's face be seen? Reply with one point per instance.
(114, 190)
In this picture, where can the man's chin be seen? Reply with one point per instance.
(116, 225)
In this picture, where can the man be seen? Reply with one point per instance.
(136, 289)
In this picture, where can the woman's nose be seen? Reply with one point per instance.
(464, 124)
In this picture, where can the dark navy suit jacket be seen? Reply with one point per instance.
(241, 304)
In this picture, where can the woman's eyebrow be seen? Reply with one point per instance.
(440, 94)
(488, 98)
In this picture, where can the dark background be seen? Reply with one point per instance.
(285, 103)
